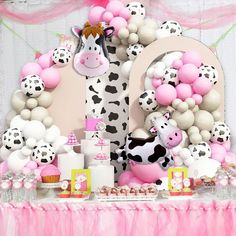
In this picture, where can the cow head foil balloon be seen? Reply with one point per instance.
(91, 57)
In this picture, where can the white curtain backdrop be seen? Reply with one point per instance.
(14, 51)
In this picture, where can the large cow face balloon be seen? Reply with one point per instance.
(91, 57)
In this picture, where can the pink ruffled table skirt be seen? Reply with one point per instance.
(188, 218)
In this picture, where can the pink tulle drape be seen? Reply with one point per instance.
(207, 19)
(56, 10)
(178, 218)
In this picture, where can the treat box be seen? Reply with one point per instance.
(125, 198)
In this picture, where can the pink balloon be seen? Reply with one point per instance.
(31, 68)
(124, 178)
(45, 61)
(197, 98)
(156, 82)
(165, 94)
(3, 168)
(31, 165)
(114, 7)
(26, 170)
(107, 16)
(148, 173)
(50, 53)
(118, 23)
(125, 13)
(95, 15)
(184, 91)
(177, 64)
(50, 77)
(202, 86)
(218, 152)
(188, 73)
(192, 57)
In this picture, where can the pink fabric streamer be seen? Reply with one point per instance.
(208, 19)
(177, 218)
(50, 13)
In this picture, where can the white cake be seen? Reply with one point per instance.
(101, 175)
(69, 161)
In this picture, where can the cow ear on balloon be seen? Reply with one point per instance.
(153, 130)
(76, 31)
(109, 31)
(167, 115)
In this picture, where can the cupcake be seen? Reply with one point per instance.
(50, 174)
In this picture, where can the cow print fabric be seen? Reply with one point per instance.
(107, 96)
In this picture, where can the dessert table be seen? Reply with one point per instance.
(91, 218)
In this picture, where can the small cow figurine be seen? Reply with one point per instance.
(91, 56)
(153, 149)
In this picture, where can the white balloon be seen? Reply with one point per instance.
(52, 134)
(126, 68)
(60, 145)
(26, 151)
(148, 84)
(17, 161)
(169, 58)
(161, 33)
(18, 122)
(31, 142)
(4, 153)
(34, 129)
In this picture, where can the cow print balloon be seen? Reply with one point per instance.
(147, 101)
(208, 72)
(12, 139)
(136, 8)
(32, 86)
(201, 150)
(61, 56)
(171, 27)
(220, 132)
(134, 50)
(170, 77)
(43, 153)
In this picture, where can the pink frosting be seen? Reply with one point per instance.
(50, 170)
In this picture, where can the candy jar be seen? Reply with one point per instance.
(29, 183)
(6, 192)
(222, 184)
(232, 184)
(17, 188)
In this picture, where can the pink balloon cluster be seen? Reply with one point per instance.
(190, 86)
(115, 14)
(43, 67)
